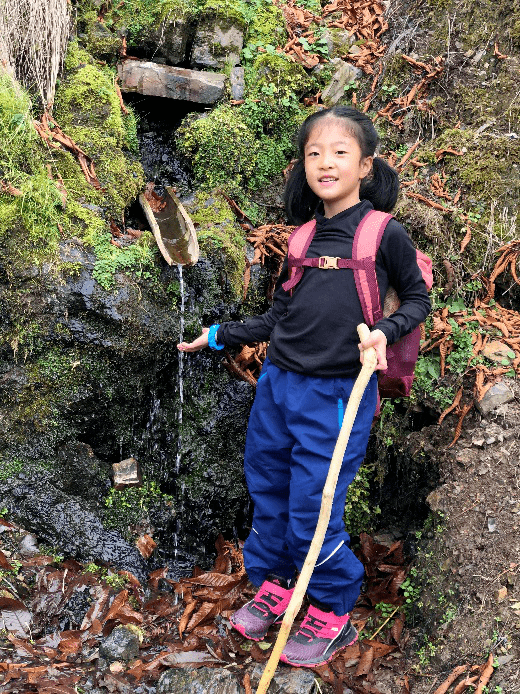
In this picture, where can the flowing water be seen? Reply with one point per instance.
(180, 370)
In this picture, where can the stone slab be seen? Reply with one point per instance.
(498, 394)
(152, 79)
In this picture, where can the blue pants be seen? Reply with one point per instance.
(293, 428)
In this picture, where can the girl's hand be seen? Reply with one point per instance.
(196, 345)
(378, 341)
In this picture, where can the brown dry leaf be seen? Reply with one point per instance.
(379, 649)
(456, 672)
(116, 605)
(146, 545)
(365, 662)
(487, 671)
(10, 189)
(4, 564)
(190, 608)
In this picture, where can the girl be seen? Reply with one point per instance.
(312, 361)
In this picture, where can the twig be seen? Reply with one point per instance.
(383, 624)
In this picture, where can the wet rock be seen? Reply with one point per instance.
(335, 90)
(122, 644)
(237, 83)
(81, 472)
(66, 522)
(218, 42)
(126, 474)
(201, 681)
(286, 680)
(152, 79)
(167, 42)
(75, 609)
(498, 394)
(29, 546)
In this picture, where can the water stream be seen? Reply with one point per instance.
(180, 383)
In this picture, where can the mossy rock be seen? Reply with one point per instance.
(220, 147)
(267, 26)
(221, 240)
(274, 77)
(159, 29)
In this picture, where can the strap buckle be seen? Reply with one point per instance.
(328, 262)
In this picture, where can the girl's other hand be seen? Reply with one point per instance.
(378, 341)
(197, 344)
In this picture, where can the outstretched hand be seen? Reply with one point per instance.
(197, 344)
(378, 341)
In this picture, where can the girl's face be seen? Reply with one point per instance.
(334, 165)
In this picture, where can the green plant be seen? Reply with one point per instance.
(359, 512)
(385, 608)
(411, 590)
(320, 45)
(426, 652)
(49, 551)
(129, 506)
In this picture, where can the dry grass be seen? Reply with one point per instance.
(33, 40)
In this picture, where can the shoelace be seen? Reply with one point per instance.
(270, 600)
(311, 626)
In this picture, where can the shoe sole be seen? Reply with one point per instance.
(242, 630)
(317, 663)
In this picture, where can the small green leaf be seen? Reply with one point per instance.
(264, 645)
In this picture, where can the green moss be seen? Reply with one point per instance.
(135, 18)
(130, 506)
(10, 468)
(137, 259)
(36, 208)
(266, 25)
(221, 148)
(274, 77)
(359, 511)
(219, 234)
(87, 108)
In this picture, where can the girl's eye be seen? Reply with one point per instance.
(341, 151)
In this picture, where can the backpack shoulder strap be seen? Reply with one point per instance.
(365, 246)
(297, 246)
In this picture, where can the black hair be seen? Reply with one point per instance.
(380, 187)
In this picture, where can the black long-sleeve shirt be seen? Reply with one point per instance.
(314, 330)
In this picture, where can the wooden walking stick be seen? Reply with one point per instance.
(368, 368)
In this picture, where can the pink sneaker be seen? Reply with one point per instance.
(256, 616)
(320, 636)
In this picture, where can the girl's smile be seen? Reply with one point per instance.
(334, 165)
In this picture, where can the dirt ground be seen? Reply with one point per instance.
(469, 562)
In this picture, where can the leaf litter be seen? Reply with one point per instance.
(184, 624)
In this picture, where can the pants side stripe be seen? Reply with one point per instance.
(332, 553)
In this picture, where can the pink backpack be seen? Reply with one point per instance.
(397, 380)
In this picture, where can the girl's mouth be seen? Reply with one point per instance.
(327, 180)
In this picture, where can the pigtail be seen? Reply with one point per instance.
(299, 200)
(381, 187)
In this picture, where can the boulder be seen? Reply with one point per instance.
(202, 681)
(498, 394)
(152, 79)
(219, 38)
(122, 644)
(286, 680)
(344, 75)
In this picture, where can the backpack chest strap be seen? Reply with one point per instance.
(328, 262)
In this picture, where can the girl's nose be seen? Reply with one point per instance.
(326, 161)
